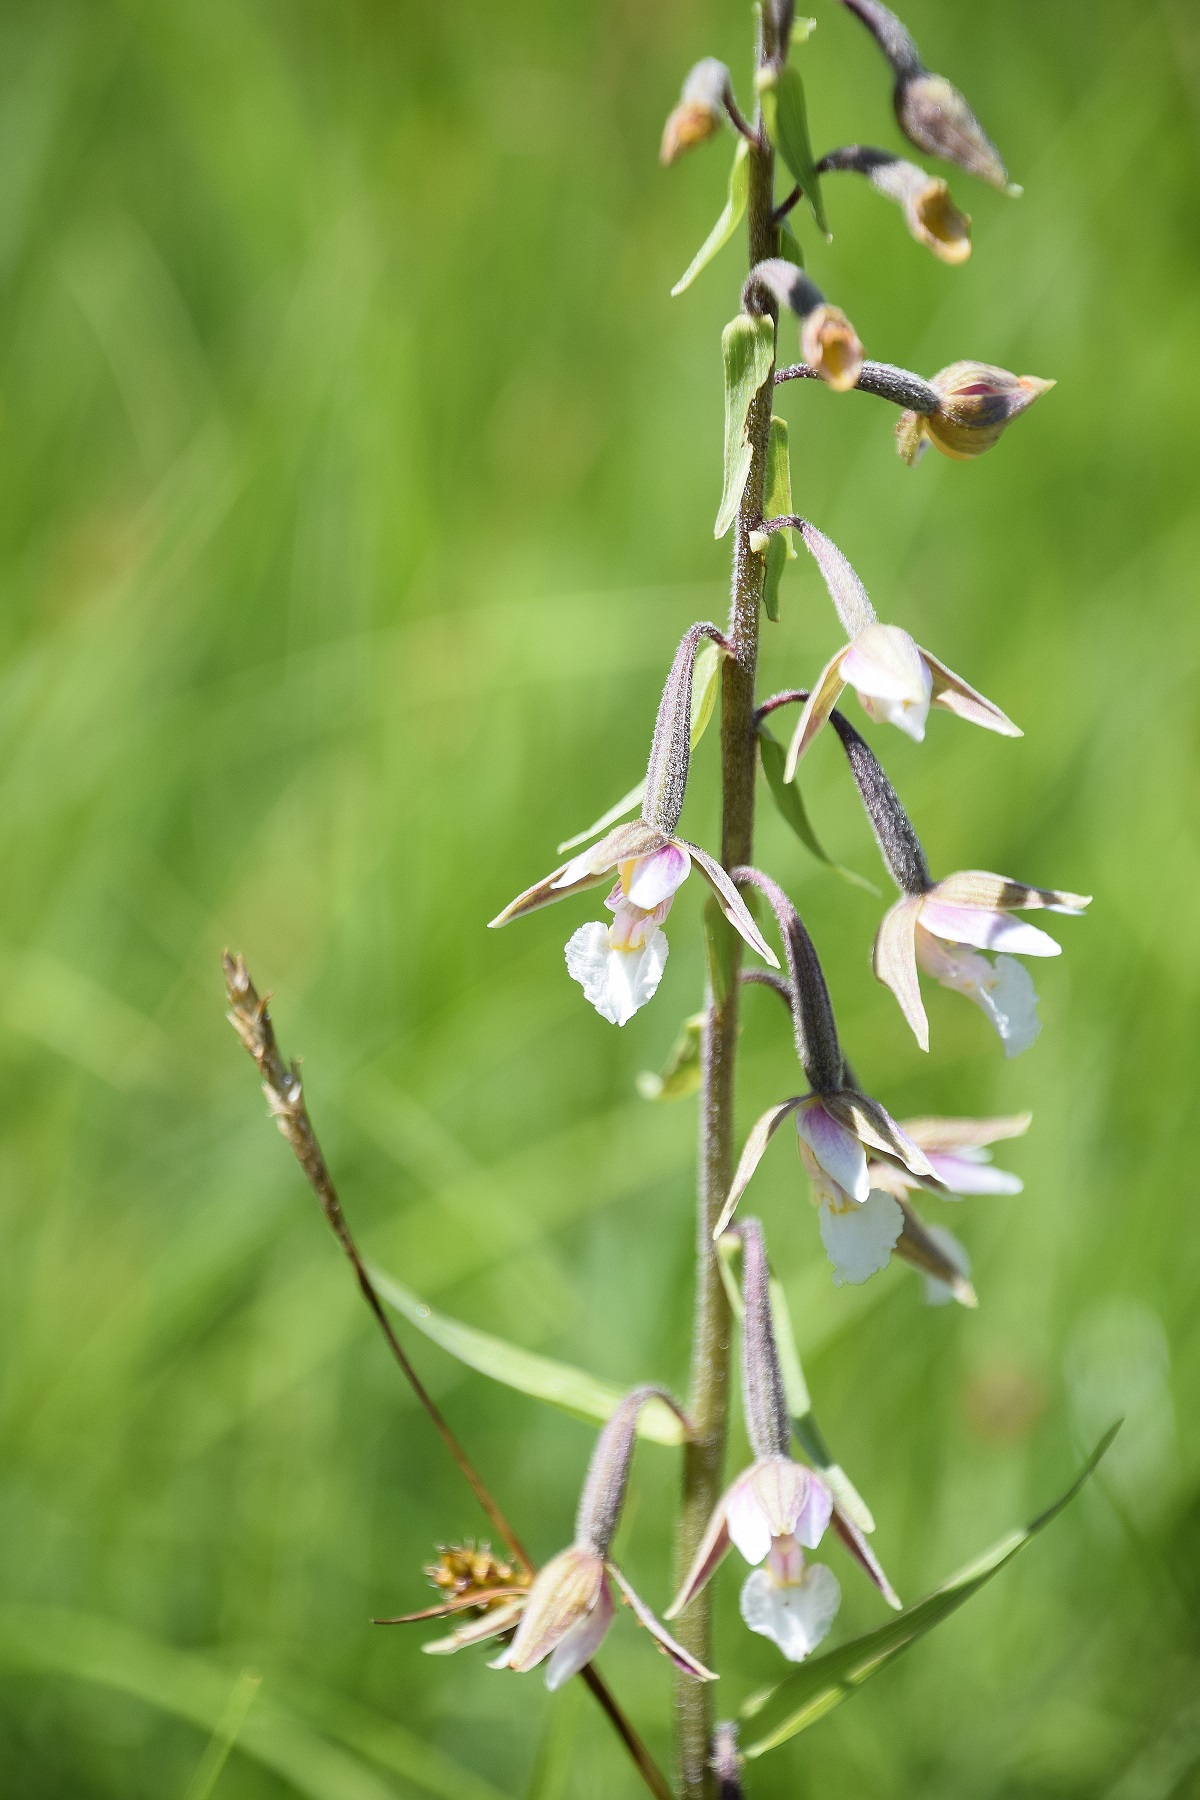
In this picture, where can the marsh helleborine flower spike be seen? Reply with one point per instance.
(619, 966)
(943, 927)
(925, 200)
(828, 341)
(700, 112)
(976, 402)
(839, 1129)
(776, 1509)
(895, 679)
(570, 1605)
(930, 112)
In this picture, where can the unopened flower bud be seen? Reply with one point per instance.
(698, 115)
(930, 111)
(828, 341)
(935, 117)
(976, 401)
(768, 1424)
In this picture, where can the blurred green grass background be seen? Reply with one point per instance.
(358, 478)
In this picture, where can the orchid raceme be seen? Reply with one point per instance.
(976, 403)
(839, 1129)
(570, 1607)
(619, 966)
(776, 1509)
(895, 680)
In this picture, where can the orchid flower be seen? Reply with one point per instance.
(567, 1612)
(619, 966)
(776, 1509)
(944, 927)
(895, 679)
(976, 404)
(839, 1129)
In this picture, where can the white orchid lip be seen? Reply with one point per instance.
(987, 930)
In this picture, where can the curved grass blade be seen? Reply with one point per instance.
(559, 1384)
(790, 803)
(727, 224)
(704, 698)
(58, 1641)
(224, 1737)
(819, 1686)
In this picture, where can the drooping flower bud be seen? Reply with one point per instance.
(768, 1424)
(812, 1011)
(570, 1605)
(671, 745)
(894, 831)
(698, 115)
(976, 401)
(930, 111)
(925, 200)
(828, 341)
(935, 117)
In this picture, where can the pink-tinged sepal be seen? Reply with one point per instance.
(564, 1593)
(683, 1659)
(624, 844)
(731, 902)
(856, 1543)
(713, 1547)
(477, 1631)
(582, 1641)
(894, 960)
(954, 695)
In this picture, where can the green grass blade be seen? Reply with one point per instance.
(817, 1687)
(57, 1641)
(208, 1769)
(572, 1390)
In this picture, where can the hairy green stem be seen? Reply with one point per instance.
(708, 1404)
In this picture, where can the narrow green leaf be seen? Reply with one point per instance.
(572, 1390)
(681, 1074)
(705, 670)
(817, 1687)
(748, 350)
(719, 941)
(777, 500)
(220, 1744)
(727, 224)
(786, 113)
(790, 802)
